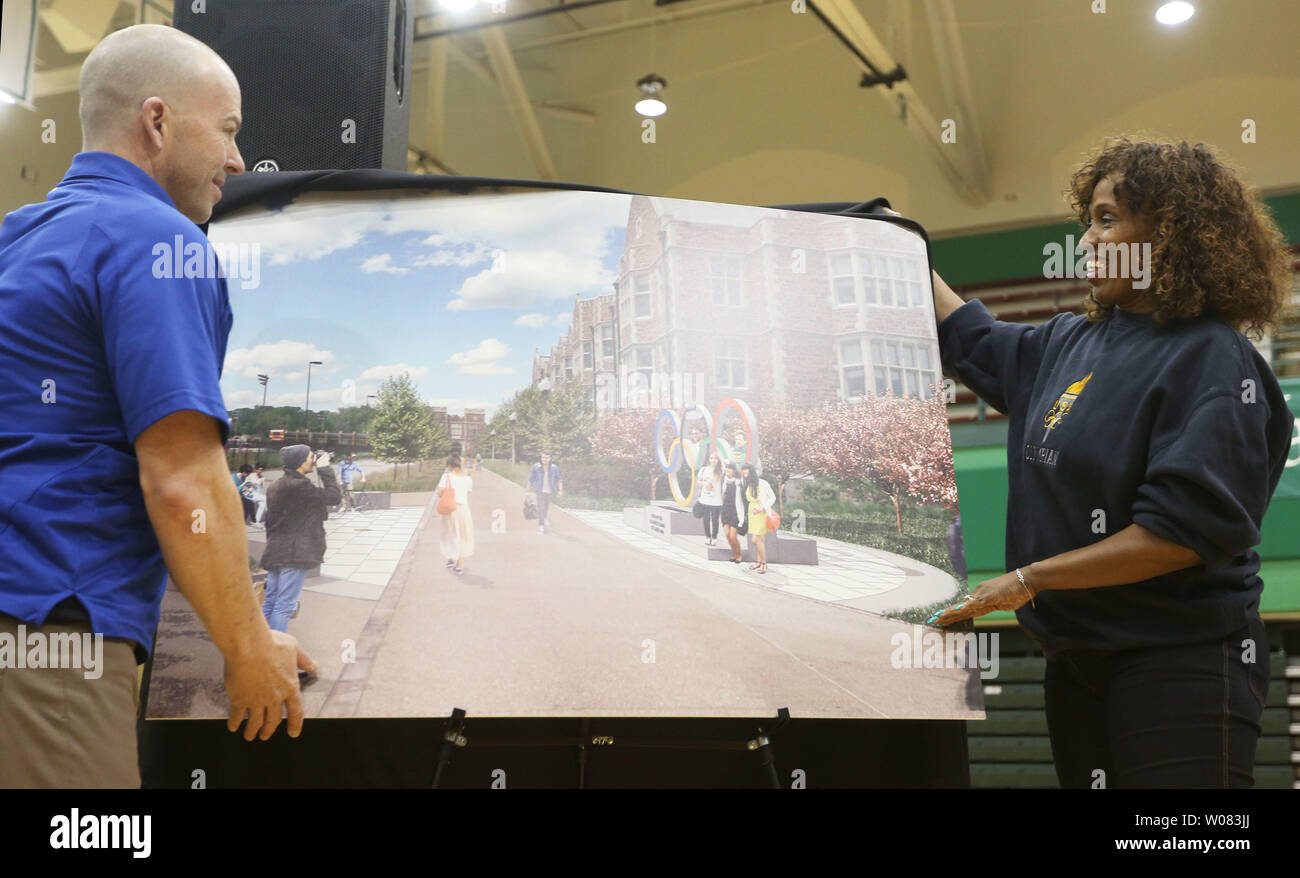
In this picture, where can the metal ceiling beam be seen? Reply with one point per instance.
(56, 81)
(843, 18)
(484, 73)
(521, 108)
(565, 19)
(423, 30)
(956, 79)
(681, 14)
(900, 31)
(435, 80)
(78, 25)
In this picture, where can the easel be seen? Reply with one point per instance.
(761, 743)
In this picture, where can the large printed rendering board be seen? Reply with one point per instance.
(632, 337)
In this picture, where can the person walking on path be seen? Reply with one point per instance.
(545, 479)
(734, 515)
(121, 485)
(350, 475)
(761, 498)
(247, 493)
(259, 494)
(295, 530)
(710, 481)
(458, 524)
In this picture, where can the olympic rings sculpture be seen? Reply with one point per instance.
(676, 455)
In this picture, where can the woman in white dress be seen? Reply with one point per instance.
(458, 525)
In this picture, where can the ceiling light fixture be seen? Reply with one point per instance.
(651, 104)
(1175, 13)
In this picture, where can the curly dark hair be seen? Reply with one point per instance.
(1215, 249)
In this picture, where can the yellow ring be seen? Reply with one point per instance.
(672, 477)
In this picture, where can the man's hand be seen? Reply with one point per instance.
(260, 686)
(323, 460)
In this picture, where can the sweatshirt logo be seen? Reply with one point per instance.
(1063, 403)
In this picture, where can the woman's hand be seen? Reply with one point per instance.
(999, 593)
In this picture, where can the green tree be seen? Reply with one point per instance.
(403, 429)
(559, 421)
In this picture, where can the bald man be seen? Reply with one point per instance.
(112, 425)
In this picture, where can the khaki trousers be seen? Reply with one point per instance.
(59, 729)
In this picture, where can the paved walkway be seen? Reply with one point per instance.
(576, 622)
(846, 573)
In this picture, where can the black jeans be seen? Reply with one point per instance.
(712, 514)
(1174, 716)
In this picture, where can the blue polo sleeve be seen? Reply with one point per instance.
(164, 336)
(991, 357)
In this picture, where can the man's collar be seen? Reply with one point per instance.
(108, 166)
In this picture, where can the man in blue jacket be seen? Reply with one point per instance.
(544, 478)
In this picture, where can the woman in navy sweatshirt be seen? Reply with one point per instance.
(1145, 441)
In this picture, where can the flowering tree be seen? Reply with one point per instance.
(627, 437)
(785, 433)
(894, 447)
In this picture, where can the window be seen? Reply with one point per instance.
(457, 430)
(607, 340)
(638, 372)
(903, 368)
(729, 362)
(724, 276)
(883, 285)
(915, 288)
(568, 368)
(842, 279)
(641, 294)
(855, 380)
(882, 279)
(586, 355)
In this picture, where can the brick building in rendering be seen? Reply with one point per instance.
(464, 429)
(758, 304)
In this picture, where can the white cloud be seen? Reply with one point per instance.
(485, 369)
(380, 374)
(554, 243)
(382, 262)
(482, 360)
(462, 257)
(526, 278)
(285, 359)
(533, 320)
(563, 319)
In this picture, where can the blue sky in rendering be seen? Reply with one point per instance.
(456, 289)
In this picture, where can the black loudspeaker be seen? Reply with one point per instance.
(325, 83)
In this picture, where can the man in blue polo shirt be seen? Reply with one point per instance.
(112, 422)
